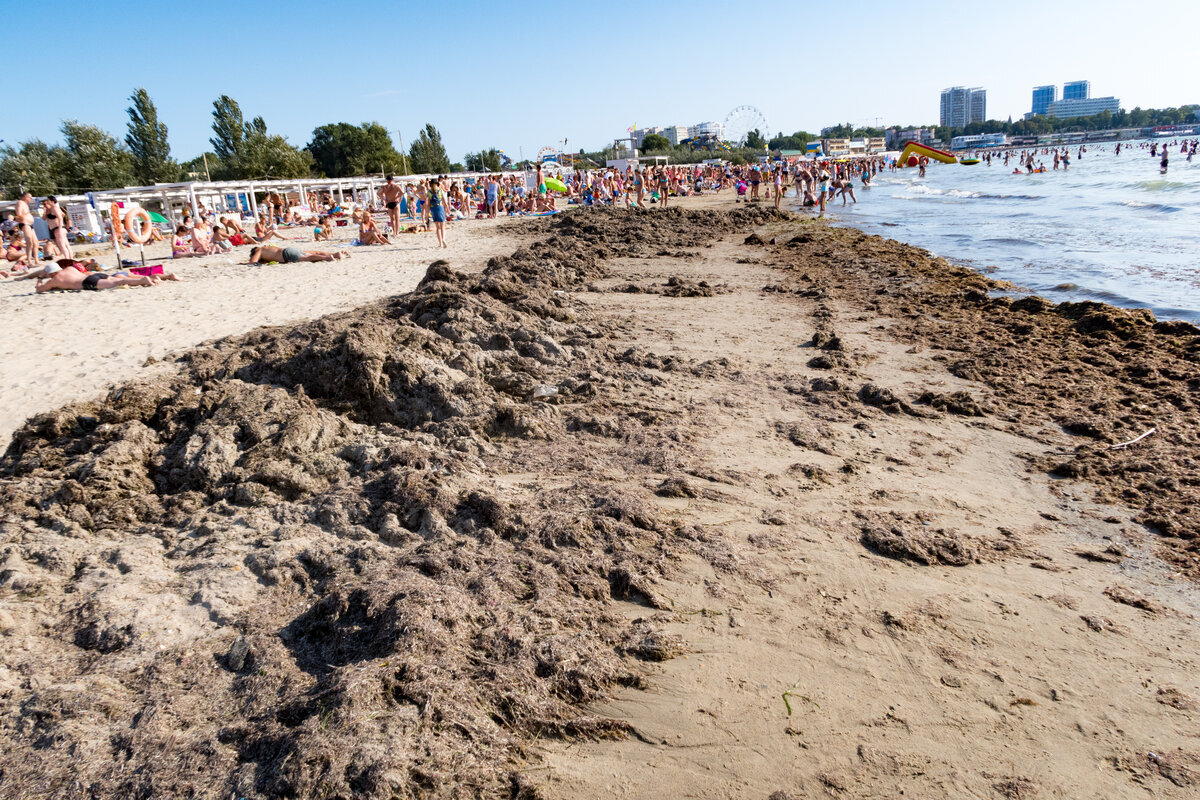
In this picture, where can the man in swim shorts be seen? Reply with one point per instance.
(72, 279)
(291, 255)
(391, 197)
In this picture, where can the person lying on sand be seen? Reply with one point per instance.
(85, 265)
(291, 255)
(72, 279)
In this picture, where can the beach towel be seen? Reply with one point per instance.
(154, 269)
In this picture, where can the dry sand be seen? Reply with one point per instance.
(66, 345)
(784, 529)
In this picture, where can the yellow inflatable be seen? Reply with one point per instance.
(912, 152)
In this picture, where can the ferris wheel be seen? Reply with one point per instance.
(741, 121)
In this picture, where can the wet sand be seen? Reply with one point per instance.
(689, 503)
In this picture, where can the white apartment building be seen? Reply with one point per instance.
(1086, 107)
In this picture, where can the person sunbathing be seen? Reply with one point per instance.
(72, 279)
(85, 266)
(291, 255)
(15, 252)
(322, 232)
(221, 239)
(368, 231)
(180, 246)
(264, 230)
(201, 240)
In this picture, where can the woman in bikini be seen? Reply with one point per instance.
(368, 231)
(58, 224)
(180, 246)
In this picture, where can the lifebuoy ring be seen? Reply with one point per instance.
(141, 234)
(114, 220)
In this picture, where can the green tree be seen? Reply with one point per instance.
(229, 130)
(271, 156)
(147, 141)
(755, 140)
(483, 161)
(96, 160)
(34, 166)
(195, 168)
(246, 150)
(655, 143)
(427, 152)
(341, 149)
(797, 141)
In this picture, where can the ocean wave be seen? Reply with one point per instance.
(917, 191)
(1161, 208)
(1009, 240)
(1159, 185)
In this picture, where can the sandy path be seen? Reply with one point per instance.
(67, 346)
(974, 681)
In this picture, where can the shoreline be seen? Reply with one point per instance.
(1075, 293)
(574, 524)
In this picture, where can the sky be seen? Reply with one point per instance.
(519, 76)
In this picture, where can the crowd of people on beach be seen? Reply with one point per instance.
(414, 206)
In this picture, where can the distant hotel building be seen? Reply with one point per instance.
(716, 129)
(1077, 101)
(1083, 107)
(677, 133)
(897, 137)
(1043, 96)
(1077, 90)
(962, 106)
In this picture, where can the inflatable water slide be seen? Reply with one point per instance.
(913, 151)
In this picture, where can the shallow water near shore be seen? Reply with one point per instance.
(1111, 228)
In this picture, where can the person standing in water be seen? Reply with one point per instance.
(1163, 163)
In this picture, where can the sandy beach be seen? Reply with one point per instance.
(713, 502)
(70, 345)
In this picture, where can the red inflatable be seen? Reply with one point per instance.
(912, 161)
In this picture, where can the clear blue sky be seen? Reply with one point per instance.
(520, 75)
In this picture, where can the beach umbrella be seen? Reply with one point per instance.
(556, 185)
(156, 217)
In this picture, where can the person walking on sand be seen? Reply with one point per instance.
(391, 197)
(25, 223)
(291, 255)
(57, 223)
(436, 200)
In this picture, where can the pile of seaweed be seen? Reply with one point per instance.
(1103, 375)
(299, 567)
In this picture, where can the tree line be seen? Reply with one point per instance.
(91, 159)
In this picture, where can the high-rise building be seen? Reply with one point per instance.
(1077, 90)
(640, 134)
(962, 106)
(675, 133)
(1043, 96)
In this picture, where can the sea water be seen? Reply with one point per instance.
(1111, 228)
